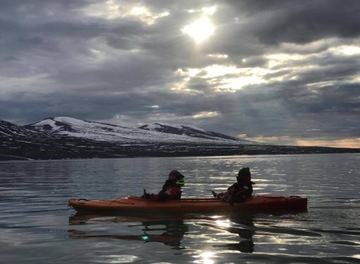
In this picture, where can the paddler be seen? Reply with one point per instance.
(171, 189)
(240, 190)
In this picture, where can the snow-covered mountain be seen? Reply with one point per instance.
(190, 131)
(152, 133)
(69, 138)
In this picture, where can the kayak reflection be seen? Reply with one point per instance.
(169, 232)
(242, 226)
(245, 231)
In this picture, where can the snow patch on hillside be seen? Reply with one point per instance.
(152, 133)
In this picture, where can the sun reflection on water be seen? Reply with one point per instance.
(206, 257)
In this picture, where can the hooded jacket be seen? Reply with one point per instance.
(171, 189)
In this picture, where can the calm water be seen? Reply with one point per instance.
(37, 226)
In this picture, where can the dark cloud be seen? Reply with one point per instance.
(272, 69)
(300, 21)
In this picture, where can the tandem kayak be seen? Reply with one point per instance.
(133, 205)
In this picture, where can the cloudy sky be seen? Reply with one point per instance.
(275, 71)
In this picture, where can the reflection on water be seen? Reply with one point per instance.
(208, 238)
(244, 228)
(225, 232)
(168, 232)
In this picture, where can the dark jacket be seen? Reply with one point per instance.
(237, 192)
(169, 191)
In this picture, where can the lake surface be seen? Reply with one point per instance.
(37, 226)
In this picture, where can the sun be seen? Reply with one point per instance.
(200, 30)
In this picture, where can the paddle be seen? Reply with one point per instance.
(213, 193)
(146, 195)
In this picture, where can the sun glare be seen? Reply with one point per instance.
(199, 30)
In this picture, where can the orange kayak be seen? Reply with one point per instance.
(133, 205)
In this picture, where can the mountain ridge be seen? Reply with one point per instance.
(155, 132)
(70, 138)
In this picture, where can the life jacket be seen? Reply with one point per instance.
(171, 190)
(238, 192)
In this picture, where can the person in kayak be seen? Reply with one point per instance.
(240, 190)
(171, 189)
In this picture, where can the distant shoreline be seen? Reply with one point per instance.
(55, 151)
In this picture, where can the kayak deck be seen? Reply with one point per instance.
(137, 205)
